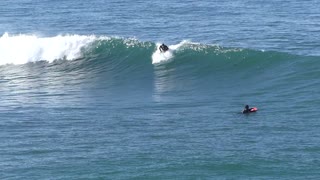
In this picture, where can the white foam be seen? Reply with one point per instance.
(159, 57)
(20, 49)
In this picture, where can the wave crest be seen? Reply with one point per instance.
(20, 49)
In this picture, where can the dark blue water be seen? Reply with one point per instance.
(86, 94)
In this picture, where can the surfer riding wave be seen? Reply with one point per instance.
(163, 48)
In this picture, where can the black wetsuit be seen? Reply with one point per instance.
(163, 48)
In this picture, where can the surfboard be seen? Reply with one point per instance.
(254, 109)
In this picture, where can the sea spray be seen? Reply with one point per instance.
(20, 49)
(159, 57)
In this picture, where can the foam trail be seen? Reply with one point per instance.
(159, 57)
(20, 49)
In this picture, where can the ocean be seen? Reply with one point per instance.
(86, 94)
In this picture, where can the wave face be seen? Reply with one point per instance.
(188, 67)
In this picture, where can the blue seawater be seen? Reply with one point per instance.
(86, 94)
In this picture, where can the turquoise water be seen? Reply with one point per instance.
(85, 94)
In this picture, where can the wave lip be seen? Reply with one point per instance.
(20, 49)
